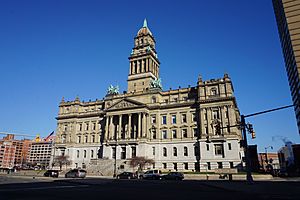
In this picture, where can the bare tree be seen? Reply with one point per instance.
(61, 161)
(140, 162)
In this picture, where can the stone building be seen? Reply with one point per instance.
(177, 128)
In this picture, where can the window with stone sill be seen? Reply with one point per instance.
(164, 134)
(164, 119)
(183, 118)
(184, 133)
(173, 119)
(174, 133)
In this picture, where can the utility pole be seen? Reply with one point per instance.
(245, 144)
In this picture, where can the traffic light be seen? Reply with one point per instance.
(251, 131)
(253, 135)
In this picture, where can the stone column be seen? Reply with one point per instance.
(209, 121)
(129, 126)
(147, 64)
(144, 130)
(106, 127)
(110, 127)
(120, 127)
(139, 126)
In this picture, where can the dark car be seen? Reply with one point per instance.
(173, 176)
(126, 175)
(51, 173)
(76, 173)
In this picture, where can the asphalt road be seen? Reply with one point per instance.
(136, 189)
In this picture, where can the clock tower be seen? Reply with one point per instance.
(144, 64)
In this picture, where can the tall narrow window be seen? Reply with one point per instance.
(174, 133)
(164, 134)
(133, 152)
(194, 117)
(87, 126)
(79, 139)
(153, 151)
(207, 147)
(173, 119)
(92, 153)
(80, 127)
(186, 166)
(123, 153)
(153, 119)
(94, 126)
(165, 152)
(208, 166)
(175, 166)
(164, 165)
(164, 120)
(185, 151)
(183, 116)
(229, 146)
(113, 152)
(174, 151)
(215, 114)
(86, 139)
(77, 154)
(93, 138)
(84, 153)
(184, 133)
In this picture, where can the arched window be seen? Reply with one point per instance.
(79, 139)
(174, 151)
(185, 151)
(92, 153)
(86, 139)
(165, 151)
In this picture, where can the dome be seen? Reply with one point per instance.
(144, 30)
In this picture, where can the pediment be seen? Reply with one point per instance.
(126, 104)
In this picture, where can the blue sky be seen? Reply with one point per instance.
(54, 49)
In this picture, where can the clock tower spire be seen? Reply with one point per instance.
(143, 61)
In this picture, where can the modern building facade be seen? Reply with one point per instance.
(176, 128)
(40, 154)
(287, 14)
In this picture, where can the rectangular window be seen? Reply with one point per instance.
(164, 134)
(164, 119)
(113, 153)
(183, 117)
(195, 132)
(218, 149)
(186, 166)
(207, 147)
(79, 139)
(164, 165)
(123, 153)
(175, 166)
(93, 138)
(173, 119)
(133, 152)
(174, 133)
(174, 151)
(194, 117)
(215, 114)
(87, 126)
(153, 151)
(153, 134)
(94, 126)
(220, 165)
(153, 120)
(80, 127)
(208, 166)
(184, 133)
(229, 146)
(226, 114)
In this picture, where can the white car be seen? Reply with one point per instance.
(152, 174)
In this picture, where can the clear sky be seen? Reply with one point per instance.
(63, 48)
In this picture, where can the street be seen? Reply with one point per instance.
(95, 188)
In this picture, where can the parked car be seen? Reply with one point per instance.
(126, 175)
(51, 173)
(152, 174)
(173, 176)
(76, 173)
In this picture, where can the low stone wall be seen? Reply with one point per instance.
(234, 177)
